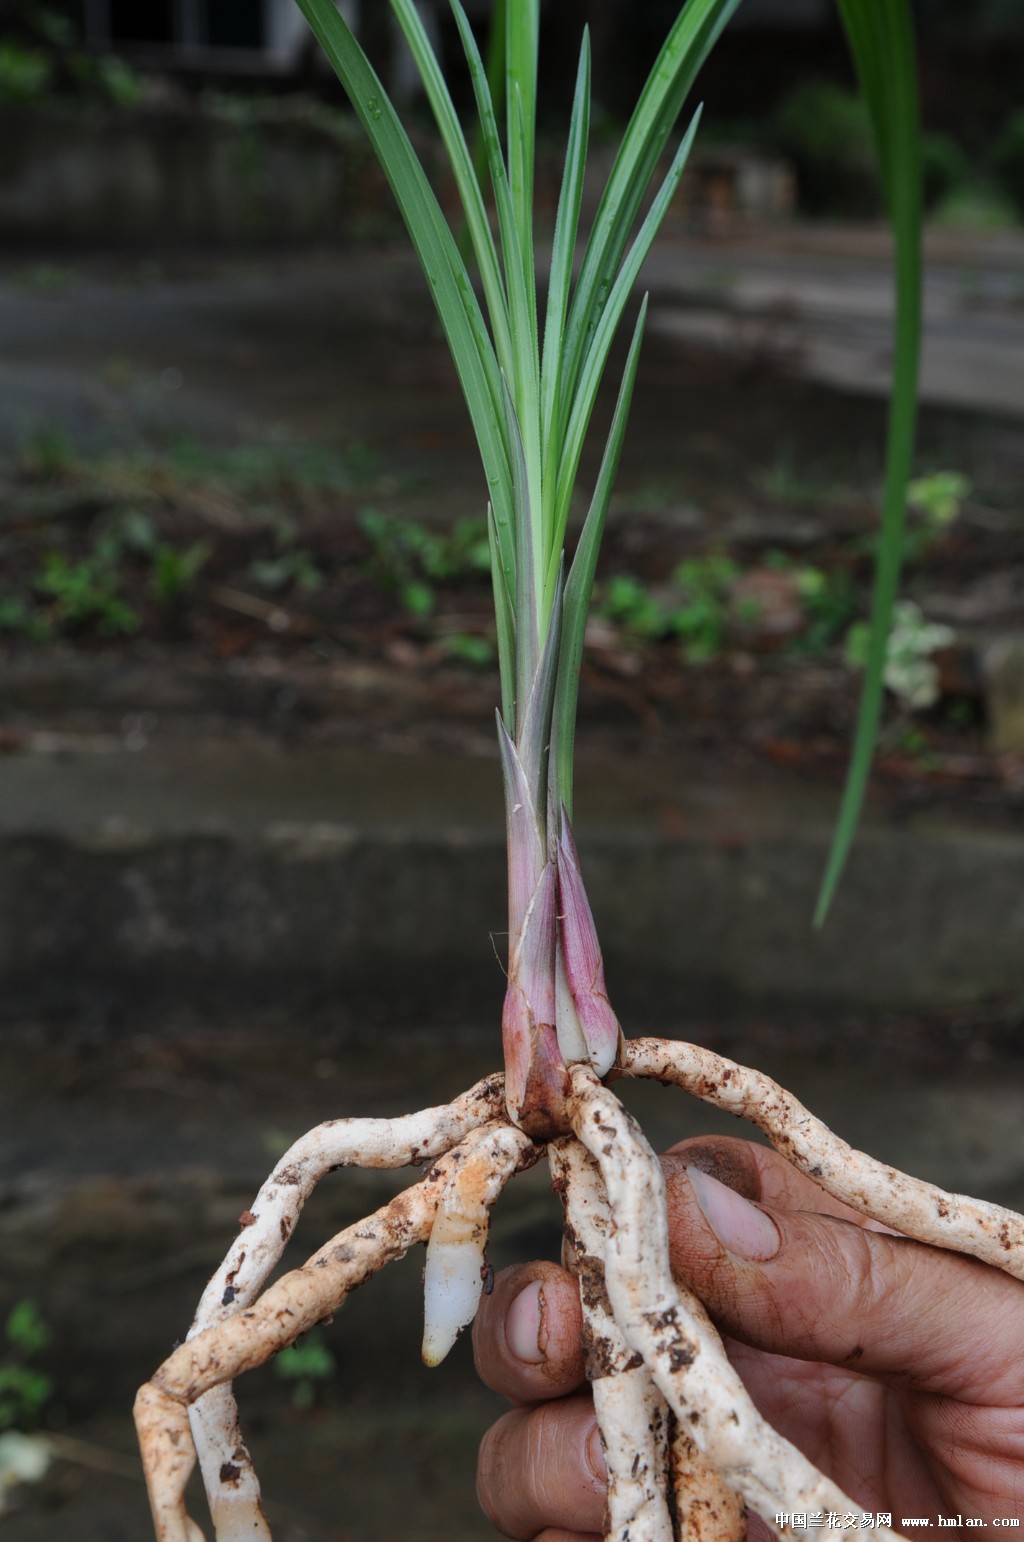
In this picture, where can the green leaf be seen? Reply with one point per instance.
(560, 280)
(528, 634)
(457, 307)
(505, 620)
(882, 43)
(580, 582)
(521, 37)
(465, 173)
(687, 46)
(601, 342)
(518, 261)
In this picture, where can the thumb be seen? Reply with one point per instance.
(816, 1287)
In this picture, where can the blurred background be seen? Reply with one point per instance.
(250, 810)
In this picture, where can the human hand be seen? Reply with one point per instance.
(895, 1367)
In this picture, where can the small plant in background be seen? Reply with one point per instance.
(308, 1366)
(25, 74)
(86, 593)
(934, 504)
(25, 1393)
(295, 568)
(25, 1390)
(693, 607)
(174, 571)
(911, 673)
(46, 452)
(17, 619)
(412, 559)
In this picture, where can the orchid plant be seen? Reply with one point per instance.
(686, 1450)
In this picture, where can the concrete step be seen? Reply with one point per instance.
(202, 873)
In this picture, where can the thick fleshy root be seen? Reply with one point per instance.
(265, 1230)
(453, 1276)
(917, 1209)
(660, 1486)
(685, 1445)
(690, 1368)
(250, 1336)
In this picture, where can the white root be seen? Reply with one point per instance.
(649, 1457)
(917, 1209)
(632, 1415)
(290, 1307)
(651, 1345)
(380, 1143)
(266, 1228)
(453, 1275)
(688, 1364)
(229, 1478)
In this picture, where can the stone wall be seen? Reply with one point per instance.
(95, 176)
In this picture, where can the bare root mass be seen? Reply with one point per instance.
(687, 1451)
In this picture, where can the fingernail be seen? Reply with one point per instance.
(740, 1227)
(523, 1325)
(595, 1455)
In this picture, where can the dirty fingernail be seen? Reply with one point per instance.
(523, 1325)
(740, 1227)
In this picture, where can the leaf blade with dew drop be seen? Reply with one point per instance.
(881, 41)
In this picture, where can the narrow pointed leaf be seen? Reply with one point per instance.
(687, 46)
(505, 624)
(881, 40)
(517, 259)
(560, 279)
(580, 582)
(597, 355)
(526, 561)
(457, 307)
(466, 178)
(521, 37)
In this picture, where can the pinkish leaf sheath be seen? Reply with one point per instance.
(581, 952)
(536, 1079)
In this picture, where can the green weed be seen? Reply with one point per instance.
(693, 608)
(24, 1389)
(85, 593)
(412, 559)
(308, 1365)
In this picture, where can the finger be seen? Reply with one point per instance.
(759, 1173)
(818, 1288)
(526, 1337)
(543, 1468)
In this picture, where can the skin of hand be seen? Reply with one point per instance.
(894, 1366)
